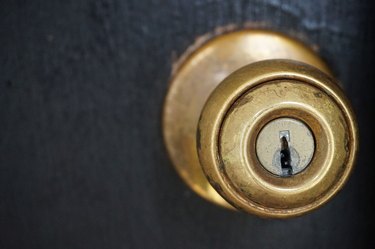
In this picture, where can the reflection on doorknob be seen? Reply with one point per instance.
(253, 120)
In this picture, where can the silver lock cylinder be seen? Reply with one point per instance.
(285, 146)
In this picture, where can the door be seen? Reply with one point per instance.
(82, 160)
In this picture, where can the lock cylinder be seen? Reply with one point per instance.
(277, 138)
(285, 146)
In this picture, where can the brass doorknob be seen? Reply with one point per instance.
(276, 137)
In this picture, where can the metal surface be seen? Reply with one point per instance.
(243, 104)
(199, 74)
(299, 142)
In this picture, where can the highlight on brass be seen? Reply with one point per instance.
(253, 120)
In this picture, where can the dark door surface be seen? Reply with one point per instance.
(82, 161)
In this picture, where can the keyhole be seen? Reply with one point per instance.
(285, 159)
(285, 146)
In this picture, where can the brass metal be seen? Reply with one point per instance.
(236, 110)
(246, 101)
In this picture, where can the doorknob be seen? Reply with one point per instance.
(253, 120)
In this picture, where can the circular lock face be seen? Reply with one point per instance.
(277, 138)
(285, 146)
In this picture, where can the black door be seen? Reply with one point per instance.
(82, 161)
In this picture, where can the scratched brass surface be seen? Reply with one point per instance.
(195, 79)
(250, 98)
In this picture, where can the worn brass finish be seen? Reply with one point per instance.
(240, 106)
(247, 100)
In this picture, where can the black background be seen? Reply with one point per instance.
(82, 162)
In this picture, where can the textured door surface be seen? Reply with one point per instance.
(82, 161)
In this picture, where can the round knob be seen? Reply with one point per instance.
(253, 120)
(277, 138)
